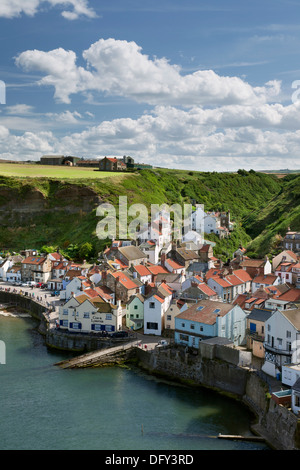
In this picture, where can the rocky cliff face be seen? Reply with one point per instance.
(46, 213)
(71, 198)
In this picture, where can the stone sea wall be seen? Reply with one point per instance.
(277, 424)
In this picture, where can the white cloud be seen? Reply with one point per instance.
(118, 68)
(15, 8)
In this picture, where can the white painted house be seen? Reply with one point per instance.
(13, 274)
(282, 333)
(5, 264)
(83, 314)
(290, 374)
(155, 307)
(73, 288)
(197, 219)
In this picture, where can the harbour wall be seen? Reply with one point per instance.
(277, 424)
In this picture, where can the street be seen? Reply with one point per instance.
(43, 296)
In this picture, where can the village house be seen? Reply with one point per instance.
(142, 273)
(295, 401)
(72, 288)
(155, 306)
(36, 268)
(290, 374)
(284, 256)
(13, 274)
(265, 281)
(135, 312)
(296, 275)
(5, 265)
(173, 266)
(122, 284)
(256, 267)
(197, 219)
(177, 306)
(174, 281)
(284, 272)
(155, 270)
(87, 315)
(291, 241)
(183, 256)
(112, 164)
(131, 255)
(256, 321)
(208, 319)
(194, 237)
(151, 250)
(198, 291)
(282, 331)
(229, 286)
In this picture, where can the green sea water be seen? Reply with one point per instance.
(47, 408)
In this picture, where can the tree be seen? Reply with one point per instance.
(86, 250)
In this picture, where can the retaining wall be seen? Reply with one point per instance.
(277, 424)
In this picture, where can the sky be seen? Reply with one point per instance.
(187, 84)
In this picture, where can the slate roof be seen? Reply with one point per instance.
(260, 314)
(132, 252)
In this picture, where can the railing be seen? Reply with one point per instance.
(277, 350)
(254, 335)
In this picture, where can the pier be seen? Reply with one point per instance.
(102, 357)
(241, 438)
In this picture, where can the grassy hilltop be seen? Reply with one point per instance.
(42, 206)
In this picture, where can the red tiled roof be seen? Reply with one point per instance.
(206, 289)
(174, 264)
(34, 260)
(242, 275)
(156, 269)
(142, 270)
(124, 280)
(268, 279)
(291, 295)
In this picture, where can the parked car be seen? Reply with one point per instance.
(25, 284)
(39, 284)
(119, 334)
(162, 343)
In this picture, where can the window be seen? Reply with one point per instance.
(152, 326)
(201, 328)
(108, 316)
(192, 327)
(135, 307)
(288, 334)
(183, 337)
(169, 317)
(86, 315)
(269, 327)
(152, 305)
(182, 325)
(65, 311)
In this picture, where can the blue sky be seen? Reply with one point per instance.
(204, 85)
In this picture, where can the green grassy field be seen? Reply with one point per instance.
(60, 172)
